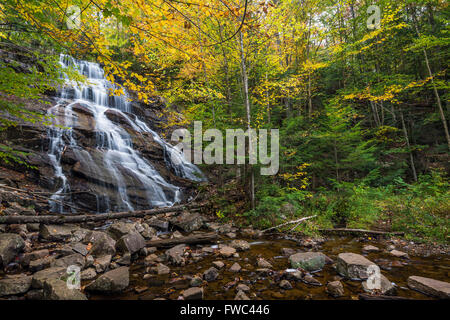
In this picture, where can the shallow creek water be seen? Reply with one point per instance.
(267, 287)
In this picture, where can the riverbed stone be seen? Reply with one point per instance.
(309, 279)
(73, 259)
(158, 223)
(240, 245)
(88, 274)
(150, 259)
(161, 269)
(15, 284)
(370, 248)
(386, 286)
(175, 255)
(40, 264)
(34, 255)
(112, 281)
(80, 248)
(102, 263)
(194, 293)
(55, 289)
(211, 274)
(227, 252)
(124, 260)
(263, 263)
(286, 285)
(335, 289)
(431, 287)
(131, 242)
(242, 287)
(399, 254)
(235, 267)
(10, 246)
(241, 296)
(288, 252)
(218, 264)
(196, 281)
(310, 261)
(353, 266)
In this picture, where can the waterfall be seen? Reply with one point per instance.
(113, 163)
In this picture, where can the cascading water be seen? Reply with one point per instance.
(120, 166)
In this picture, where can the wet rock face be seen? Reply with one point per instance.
(84, 164)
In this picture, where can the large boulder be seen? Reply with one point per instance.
(16, 284)
(10, 246)
(310, 261)
(353, 266)
(70, 260)
(55, 232)
(120, 229)
(39, 264)
(131, 242)
(188, 222)
(112, 281)
(431, 287)
(386, 287)
(40, 277)
(34, 255)
(56, 289)
(101, 243)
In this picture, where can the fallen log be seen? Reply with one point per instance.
(60, 219)
(193, 239)
(290, 222)
(361, 231)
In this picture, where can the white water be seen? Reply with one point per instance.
(112, 140)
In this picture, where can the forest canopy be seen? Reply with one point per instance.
(361, 100)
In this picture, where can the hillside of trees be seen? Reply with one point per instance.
(362, 104)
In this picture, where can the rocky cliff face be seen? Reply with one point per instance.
(110, 159)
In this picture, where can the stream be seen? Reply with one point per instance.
(267, 287)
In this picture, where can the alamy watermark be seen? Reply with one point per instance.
(74, 279)
(239, 146)
(374, 20)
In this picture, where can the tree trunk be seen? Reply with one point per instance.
(247, 107)
(411, 157)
